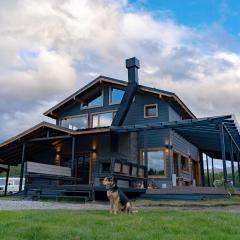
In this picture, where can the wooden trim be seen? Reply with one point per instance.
(75, 116)
(97, 113)
(87, 107)
(165, 161)
(110, 95)
(151, 105)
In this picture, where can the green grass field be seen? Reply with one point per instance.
(147, 224)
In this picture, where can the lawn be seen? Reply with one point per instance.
(147, 224)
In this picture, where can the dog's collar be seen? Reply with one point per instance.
(113, 188)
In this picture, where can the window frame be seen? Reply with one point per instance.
(110, 96)
(75, 116)
(164, 158)
(89, 107)
(99, 113)
(151, 105)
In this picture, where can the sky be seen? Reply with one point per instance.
(51, 48)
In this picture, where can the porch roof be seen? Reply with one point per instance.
(10, 150)
(204, 133)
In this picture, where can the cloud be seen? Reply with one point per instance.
(51, 49)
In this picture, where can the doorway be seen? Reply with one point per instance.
(83, 167)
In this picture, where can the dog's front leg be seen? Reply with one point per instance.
(111, 205)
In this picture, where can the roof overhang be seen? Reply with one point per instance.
(170, 97)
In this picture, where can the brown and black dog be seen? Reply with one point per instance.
(118, 200)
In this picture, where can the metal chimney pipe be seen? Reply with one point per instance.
(132, 64)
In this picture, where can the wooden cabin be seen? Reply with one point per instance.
(143, 136)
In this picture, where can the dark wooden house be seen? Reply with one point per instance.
(143, 136)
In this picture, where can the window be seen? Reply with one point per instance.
(95, 101)
(156, 162)
(115, 95)
(150, 111)
(102, 119)
(184, 164)
(75, 122)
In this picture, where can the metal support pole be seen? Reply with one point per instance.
(238, 156)
(73, 155)
(145, 158)
(202, 169)
(232, 163)
(22, 167)
(213, 177)
(6, 181)
(208, 179)
(223, 149)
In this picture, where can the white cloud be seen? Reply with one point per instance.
(51, 49)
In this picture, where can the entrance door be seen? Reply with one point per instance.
(83, 167)
(175, 164)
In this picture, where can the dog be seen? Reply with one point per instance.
(118, 200)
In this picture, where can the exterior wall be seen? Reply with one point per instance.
(136, 111)
(173, 115)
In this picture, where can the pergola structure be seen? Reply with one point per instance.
(217, 137)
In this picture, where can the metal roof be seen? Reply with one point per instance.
(204, 133)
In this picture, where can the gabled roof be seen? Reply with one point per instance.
(170, 97)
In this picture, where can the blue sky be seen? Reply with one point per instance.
(197, 13)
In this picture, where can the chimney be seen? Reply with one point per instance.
(132, 64)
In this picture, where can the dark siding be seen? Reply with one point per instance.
(173, 115)
(136, 111)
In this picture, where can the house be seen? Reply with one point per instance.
(143, 136)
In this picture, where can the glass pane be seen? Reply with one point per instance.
(156, 163)
(95, 101)
(116, 95)
(95, 121)
(105, 119)
(151, 111)
(74, 123)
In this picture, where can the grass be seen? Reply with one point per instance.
(148, 224)
(224, 202)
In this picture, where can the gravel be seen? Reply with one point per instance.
(27, 205)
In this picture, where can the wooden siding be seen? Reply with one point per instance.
(173, 115)
(33, 167)
(184, 147)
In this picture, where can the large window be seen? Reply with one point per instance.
(150, 111)
(102, 119)
(156, 162)
(95, 101)
(75, 122)
(115, 95)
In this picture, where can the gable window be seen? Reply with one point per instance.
(156, 162)
(115, 95)
(102, 119)
(95, 101)
(150, 110)
(75, 122)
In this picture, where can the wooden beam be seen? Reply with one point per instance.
(202, 169)
(48, 138)
(73, 155)
(208, 179)
(213, 177)
(22, 166)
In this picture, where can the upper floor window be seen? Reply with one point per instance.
(102, 119)
(95, 101)
(115, 95)
(150, 110)
(75, 122)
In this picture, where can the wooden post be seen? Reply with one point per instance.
(213, 177)
(202, 169)
(22, 166)
(232, 162)
(208, 179)
(73, 155)
(6, 181)
(223, 149)
(238, 157)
